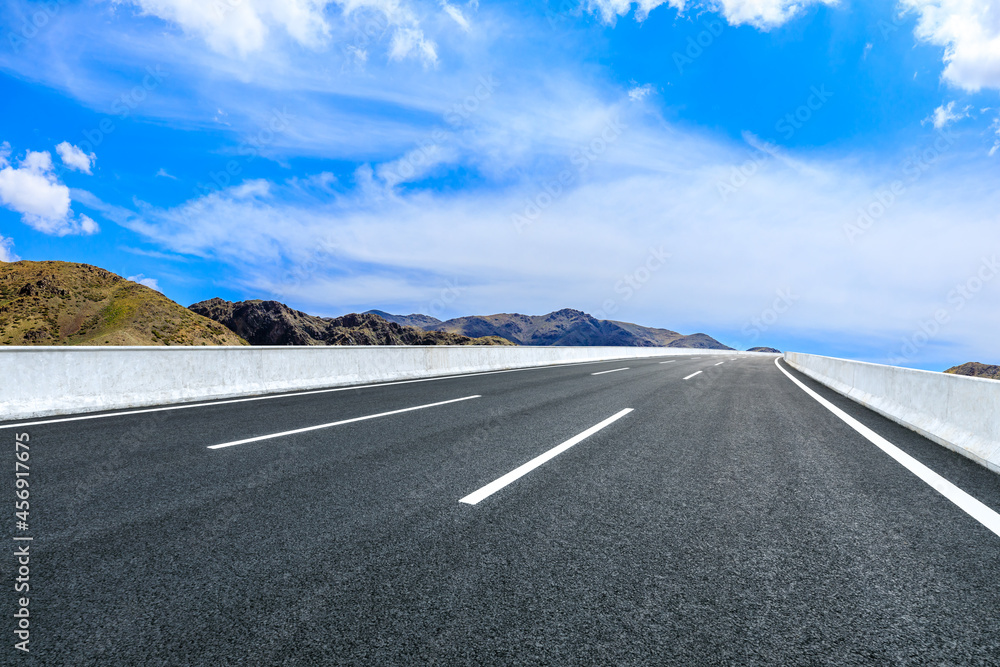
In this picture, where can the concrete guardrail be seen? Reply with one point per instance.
(42, 381)
(961, 413)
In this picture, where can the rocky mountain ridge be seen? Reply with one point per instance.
(562, 327)
(977, 370)
(273, 323)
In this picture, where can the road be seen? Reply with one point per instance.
(726, 518)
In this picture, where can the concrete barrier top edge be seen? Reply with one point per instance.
(901, 368)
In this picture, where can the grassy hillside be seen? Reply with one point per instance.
(62, 303)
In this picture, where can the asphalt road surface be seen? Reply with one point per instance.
(727, 518)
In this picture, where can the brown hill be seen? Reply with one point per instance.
(977, 370)
(571, 327)
(274, 323)
(64, 303)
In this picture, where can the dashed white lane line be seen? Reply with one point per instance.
(720, 363)
(977, 510)
(614, 370)
(692, 375)
(523, 470)
(668, 362)
(339, 423)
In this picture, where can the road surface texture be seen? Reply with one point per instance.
(729, 518)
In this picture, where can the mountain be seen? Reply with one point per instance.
(425, 322)
(274, 323)
(764, 349)
(570, 327)
(63, 303)
(976, 369)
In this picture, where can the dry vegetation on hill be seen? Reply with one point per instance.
(63, 303)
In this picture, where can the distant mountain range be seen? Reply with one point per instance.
(976, 369)
(63, 303)
(562, 327)
(274, 323)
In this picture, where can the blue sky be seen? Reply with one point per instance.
(811, 175)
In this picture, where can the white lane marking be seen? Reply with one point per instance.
(720, 363)
(523, 470)
(977, 510)
(341, 422)
(668, 362)
(611, 371)
(692, 375)
(269, 397)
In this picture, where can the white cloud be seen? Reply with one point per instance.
(74, 158)
(456, 14)
(763, 14)
(162, 173)
(151, 283)
(945, 115)
(87, 225)
(407, 42)
(969, 31)
(7, 250)
(639, 93)
(610, 10)
(243, 27)
(32, 189)
(996, 130)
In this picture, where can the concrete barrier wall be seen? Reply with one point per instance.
(41, 381)
(959, 412)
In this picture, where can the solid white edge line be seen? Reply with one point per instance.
(692, 375)
(974, 508)
(523, 470)
(310, 392)
(339, 423)
(611, 371)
